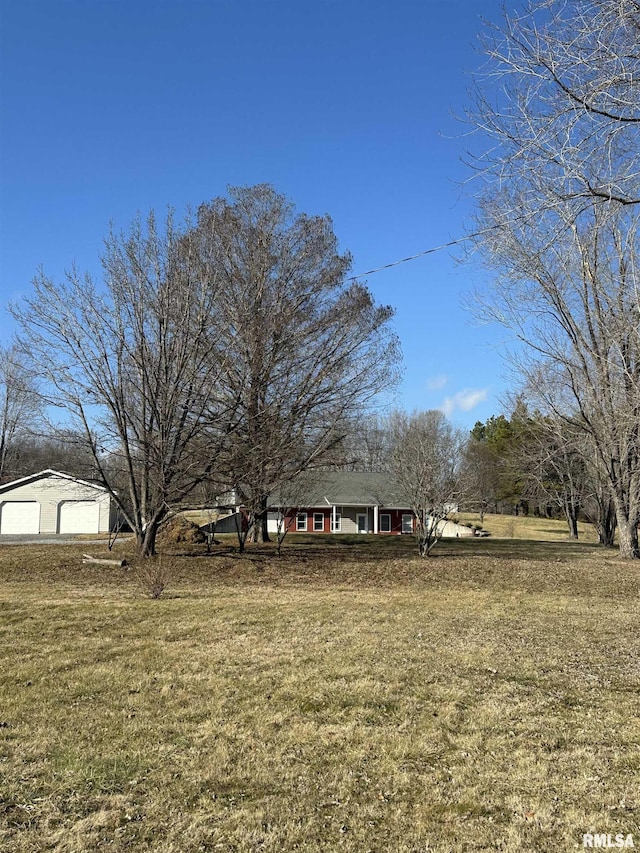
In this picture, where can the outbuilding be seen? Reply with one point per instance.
(51, 502)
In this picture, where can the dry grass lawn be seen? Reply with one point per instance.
(529, 527)
(348, 697)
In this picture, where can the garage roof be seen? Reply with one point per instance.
(48, 472)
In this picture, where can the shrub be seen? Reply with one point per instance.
(152, 576)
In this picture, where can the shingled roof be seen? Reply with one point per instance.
(342, 488)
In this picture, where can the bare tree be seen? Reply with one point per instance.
(554, 467)
(479, 476)
(560, 100)
(425, 461)
(562, 467)
(19, 407)
(306, 349)
(559, 221)
(135, 364)
(574, 303)
(366, 444)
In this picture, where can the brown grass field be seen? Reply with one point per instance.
(347, 697)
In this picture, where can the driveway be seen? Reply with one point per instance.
(54, 539)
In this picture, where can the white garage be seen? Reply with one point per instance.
(51, 502)
(19, 517)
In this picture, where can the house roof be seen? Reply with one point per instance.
(341, 488)
(49, 472)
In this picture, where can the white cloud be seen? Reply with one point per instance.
(464, 400)
(434, 383)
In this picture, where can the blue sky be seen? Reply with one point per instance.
(346, 106)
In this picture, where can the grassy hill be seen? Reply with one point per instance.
(529, 527)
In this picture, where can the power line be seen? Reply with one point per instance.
(426, 252)
(510, 220)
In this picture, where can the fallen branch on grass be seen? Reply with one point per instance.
(89, 559)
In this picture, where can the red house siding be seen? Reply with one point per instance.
(291, 526)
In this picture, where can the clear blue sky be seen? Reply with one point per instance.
(348, 107)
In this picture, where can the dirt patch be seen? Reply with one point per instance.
(180, 530)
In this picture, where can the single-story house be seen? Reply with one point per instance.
(335, 502)
(342, 502)
(52, 502)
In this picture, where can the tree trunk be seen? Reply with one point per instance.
(243, 529)
(628, 538)
(146, 540)
(627, 521)
(265, 527)
(571, 513)
(260, 528)
(605, 521)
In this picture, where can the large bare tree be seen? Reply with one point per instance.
(135, 362)
(559, 99)
(306, 348)
(574, 303)
(425, 462)
(559, 220)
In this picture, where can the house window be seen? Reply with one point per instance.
(301, 522)
(336, 522)
(407, 524)
(318, 521)
(385, 522)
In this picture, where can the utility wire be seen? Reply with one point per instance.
(510, 220)
(430, 251)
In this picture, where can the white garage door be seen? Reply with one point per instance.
(79, 517)
(20, 517)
